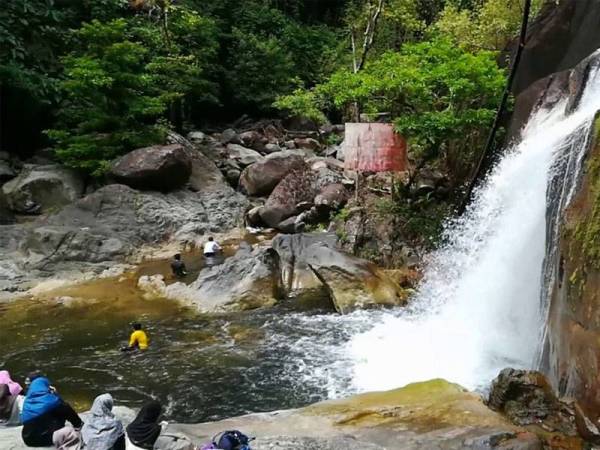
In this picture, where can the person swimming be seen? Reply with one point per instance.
(138, 339)
(178, 266)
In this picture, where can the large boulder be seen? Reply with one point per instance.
(248, 280)
(242, 155)
(431, 415)
(114, 221)
(297, 187)
(42, 189)
(261, 177)
(526, 398)
(160, 167)
(332, 197)
(352, 283)
(298, 280)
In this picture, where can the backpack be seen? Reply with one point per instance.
(232, 440)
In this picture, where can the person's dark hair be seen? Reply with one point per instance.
(210, 238)
(136, 326)
(32, 376)
(177, 256)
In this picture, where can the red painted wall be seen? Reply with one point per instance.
(374, 147)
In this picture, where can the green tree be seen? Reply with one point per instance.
(118, 86)
(442, 97)
(486, 24)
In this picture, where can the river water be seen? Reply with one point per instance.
(200, 367)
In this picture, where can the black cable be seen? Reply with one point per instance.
(499, 113)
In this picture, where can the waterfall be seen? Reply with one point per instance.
(482, 303)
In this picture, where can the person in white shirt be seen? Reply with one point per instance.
(211, 248)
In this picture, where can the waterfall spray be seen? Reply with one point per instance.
(478, 308)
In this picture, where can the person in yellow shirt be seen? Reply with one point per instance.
(138, 339)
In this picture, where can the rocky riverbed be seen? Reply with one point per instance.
(432, 415)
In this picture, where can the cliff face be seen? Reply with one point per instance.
(572, 354)
(563, 33)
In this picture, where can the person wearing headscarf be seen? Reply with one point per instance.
(145, 429)
(15, 388)
(67, 438)
(44, 412)
(103, 431)
(9, 408)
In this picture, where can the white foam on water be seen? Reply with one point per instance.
(478, 307)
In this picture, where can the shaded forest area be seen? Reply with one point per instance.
(95, 79)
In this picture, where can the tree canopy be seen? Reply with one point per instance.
(105, 76)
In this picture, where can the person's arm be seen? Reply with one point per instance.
(133, 340)
(65, 412)
(120, 444)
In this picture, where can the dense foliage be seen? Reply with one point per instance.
(105, 76)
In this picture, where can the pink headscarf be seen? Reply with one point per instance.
(13, 387)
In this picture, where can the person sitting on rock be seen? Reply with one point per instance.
(138, 339)
(145, 428)
(44, 412)
(178, 266)
(149, 433)
(103, 431)
(14, 387)
(9, 407)
(211, 248)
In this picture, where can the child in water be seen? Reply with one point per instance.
(138, 339)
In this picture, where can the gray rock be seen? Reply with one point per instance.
(112, 222)
(298, 186)
(6, 172)
(290, 144)
(253, 216)
(160, 167)
(196, 137)
(299, 282)
(253, 139)
(250, 279)
(42, 189)
(307, 144)
(272, 148)
(262, 177)
(233, 176)
(242, 155)
(291, 225)
(230, 136)
(332, 197)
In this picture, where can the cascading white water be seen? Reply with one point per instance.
(478, 307)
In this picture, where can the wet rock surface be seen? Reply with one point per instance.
(299, 282)
(248, 280)
(352, 283)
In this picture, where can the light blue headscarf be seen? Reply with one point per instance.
(39, 400)
(102, 429)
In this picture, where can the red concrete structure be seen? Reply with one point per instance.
(374, 147)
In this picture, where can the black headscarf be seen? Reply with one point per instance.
(6, 402)
(144, 430)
